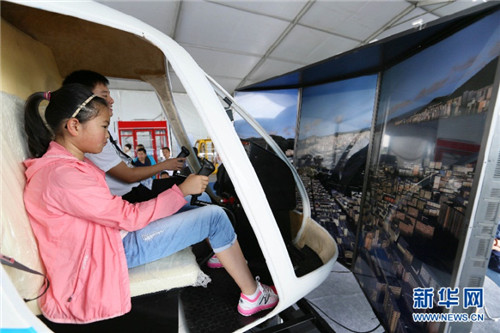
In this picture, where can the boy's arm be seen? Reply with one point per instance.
(130, 175)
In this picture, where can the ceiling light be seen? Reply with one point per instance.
(418, 22)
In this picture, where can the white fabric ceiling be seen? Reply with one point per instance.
(240, 42)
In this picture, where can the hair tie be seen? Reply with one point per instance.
(46, 95)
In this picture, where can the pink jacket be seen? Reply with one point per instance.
(77, 222)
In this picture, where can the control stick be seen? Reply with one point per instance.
(184, 153)
(207, 168)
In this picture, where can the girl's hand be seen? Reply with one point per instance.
(194, 184)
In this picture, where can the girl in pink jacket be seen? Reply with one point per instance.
(88, 238)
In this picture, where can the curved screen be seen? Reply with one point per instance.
(429, 128)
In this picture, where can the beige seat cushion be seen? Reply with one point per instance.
(176, 271)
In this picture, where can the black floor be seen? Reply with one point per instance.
(211, 309)
(205, 310)
(214, 309)
(156, 312)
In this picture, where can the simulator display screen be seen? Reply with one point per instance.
(275, 111)
(331, 153)
(428, 132)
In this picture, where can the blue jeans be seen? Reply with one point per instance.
(168, 235)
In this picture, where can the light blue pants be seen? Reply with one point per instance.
(168, 235)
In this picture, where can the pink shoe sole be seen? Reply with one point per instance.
(253, 311)
(214, 265)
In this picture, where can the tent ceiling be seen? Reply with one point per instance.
(241, 42)
(237, 42)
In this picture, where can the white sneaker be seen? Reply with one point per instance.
(266, 298)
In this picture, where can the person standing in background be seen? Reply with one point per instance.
(166, 154)
(127, 149)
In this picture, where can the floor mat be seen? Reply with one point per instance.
(151, 313)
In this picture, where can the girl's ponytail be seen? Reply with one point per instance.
(39, 136)
(70, 101)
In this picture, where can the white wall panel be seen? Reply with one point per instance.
(136, 105)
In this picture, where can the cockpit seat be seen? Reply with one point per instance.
(18, 242)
